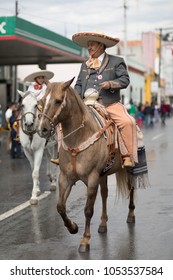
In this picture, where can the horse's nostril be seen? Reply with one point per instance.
(44, 129)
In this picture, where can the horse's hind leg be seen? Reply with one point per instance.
(104, 194)
(131, 215)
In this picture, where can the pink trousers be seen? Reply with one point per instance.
(127, 128)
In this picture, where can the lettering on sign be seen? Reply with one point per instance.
(2, 30)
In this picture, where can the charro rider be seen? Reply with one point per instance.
(39, 81)
(108, 74)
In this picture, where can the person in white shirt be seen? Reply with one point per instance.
(8, 115)
(39, 81)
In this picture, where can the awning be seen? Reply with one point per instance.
(22, 42)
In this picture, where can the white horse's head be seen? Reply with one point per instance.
(29, 111)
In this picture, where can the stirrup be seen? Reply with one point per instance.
(55, 161)
(127, 162)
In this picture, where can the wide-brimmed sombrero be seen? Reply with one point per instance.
(82, 39)
(47, 74)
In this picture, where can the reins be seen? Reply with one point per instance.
(81, 126)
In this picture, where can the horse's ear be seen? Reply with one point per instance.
(35, 94)
(21, 93)
(68, 83)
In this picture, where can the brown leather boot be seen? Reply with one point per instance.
(55, 161)
(127, 162)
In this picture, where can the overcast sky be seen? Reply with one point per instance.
(67, 17)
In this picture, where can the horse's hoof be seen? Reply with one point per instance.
(73, 229)
(84, 248)
(38, 193)
(131, 220)
(102, 229)
(33, 201)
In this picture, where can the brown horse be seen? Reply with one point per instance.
(82, 156)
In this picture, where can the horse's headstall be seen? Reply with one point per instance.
(40, 108)
(51, 123)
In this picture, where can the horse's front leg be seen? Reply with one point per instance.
(89, 211)
(28, 153)
(51, 169)
(64, 191)
(131, 215)
(104, 194)
(38, 155)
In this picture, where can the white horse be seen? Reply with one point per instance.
(33, 145)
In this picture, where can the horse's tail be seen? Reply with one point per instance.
(122, 183)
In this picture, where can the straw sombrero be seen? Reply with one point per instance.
(47, 74)
(82, 39)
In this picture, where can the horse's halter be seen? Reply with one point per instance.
(22, 126)
(30, 133)
(52, 122)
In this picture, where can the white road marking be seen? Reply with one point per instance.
(22, 206)
(158, 136)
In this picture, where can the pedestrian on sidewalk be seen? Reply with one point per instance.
(15, 150)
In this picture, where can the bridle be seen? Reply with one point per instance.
(26, 131)
(29, 133)
(51, 123)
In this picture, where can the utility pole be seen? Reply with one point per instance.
(14, 68)
(160, 56)
(16, 9)
(162, 38)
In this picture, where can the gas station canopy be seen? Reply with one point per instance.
(22, 42)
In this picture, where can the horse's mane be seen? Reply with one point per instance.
(79, 100)
(84, 109)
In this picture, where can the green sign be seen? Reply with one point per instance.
(7, 26)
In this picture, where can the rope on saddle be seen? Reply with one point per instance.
(102, 117)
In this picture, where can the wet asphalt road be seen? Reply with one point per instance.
(37, 232)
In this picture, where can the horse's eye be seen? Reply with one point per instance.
(57, 102)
